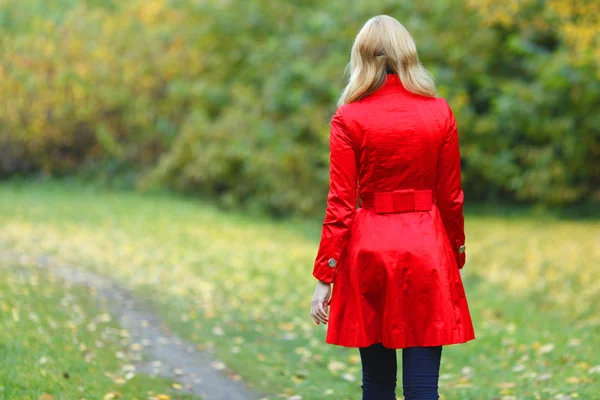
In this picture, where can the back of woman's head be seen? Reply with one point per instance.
(384, 45)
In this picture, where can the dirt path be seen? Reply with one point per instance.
(198, 371)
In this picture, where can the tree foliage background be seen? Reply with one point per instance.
(232, 99)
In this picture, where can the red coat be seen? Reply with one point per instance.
(395, 259)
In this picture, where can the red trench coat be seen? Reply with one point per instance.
(394, 261)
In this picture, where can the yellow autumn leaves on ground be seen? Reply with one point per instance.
(239, 286)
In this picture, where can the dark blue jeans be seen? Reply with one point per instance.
(420, 372)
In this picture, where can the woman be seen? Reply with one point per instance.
(393, 237)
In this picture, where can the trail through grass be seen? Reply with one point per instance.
(59, 341)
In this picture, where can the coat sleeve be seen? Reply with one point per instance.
(341, 200)
(450, 195)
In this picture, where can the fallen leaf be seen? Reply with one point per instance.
(561, 396)
(467, 372)
(104, 318)
(544, 377)
(506, 385)
(217, 330)
(594, 370)
(336, 366)
(354, 359)
(547, 348)
(349, 377)
(287, 326)
(518, 368)
(463, 385)
(119, 381)
(128, 367)
(218, 365)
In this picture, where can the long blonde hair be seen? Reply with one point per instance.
(383, 44)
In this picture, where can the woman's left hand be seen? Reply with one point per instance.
(320, 302)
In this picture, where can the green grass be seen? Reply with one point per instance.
(56, 339)
(243, 284)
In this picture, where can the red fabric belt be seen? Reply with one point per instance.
(400, 201)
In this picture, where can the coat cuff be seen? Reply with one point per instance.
(325, 268)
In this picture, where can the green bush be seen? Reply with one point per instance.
(232, 100)
(93, 83)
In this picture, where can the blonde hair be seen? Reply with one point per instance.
(384, 44)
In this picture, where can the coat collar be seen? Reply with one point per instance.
(391, 84)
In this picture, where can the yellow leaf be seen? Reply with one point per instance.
(177, 386)
(547, 348)
(15, 314)
(463, 385)
(287, 326)
(506, 385)
(163, 397)
(46, 396)
(582, 365)
(335, 366)
(136, 347)
(573, 380)
(354, 359)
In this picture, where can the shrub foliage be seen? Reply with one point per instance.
(232, 99)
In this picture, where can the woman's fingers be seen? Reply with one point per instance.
(321, 313)
(313, 312)
(318, 313)
(315, 315)
(320, 302)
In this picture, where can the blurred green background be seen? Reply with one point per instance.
(153, 142)
(231, 99)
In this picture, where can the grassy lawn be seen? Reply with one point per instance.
(243, 285)
(57, 340)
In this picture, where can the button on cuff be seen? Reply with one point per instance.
(332, 262)
(462, 249)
